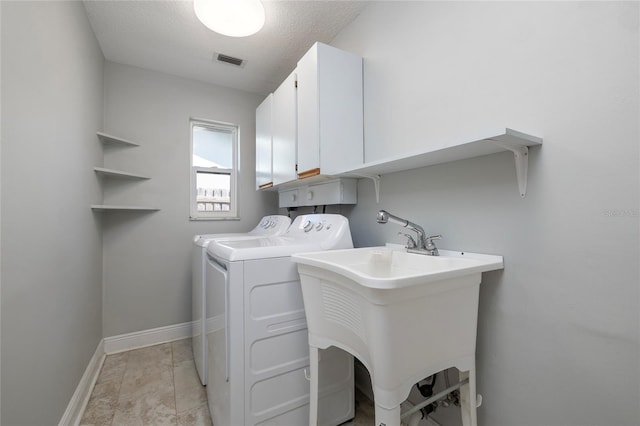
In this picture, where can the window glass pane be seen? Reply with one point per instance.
(213, 191)
(212, 147)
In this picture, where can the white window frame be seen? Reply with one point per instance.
(232, 213)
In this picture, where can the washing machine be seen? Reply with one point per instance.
(268, 225)
(258, 349)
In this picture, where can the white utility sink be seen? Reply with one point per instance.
(405, 316)
(386, 268)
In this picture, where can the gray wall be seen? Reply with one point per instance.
(52, 86)
(146, 256)
(558, 328)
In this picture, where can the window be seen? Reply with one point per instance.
(214, 153)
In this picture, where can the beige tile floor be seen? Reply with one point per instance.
(158, 385)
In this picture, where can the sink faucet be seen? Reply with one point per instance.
(422, 245)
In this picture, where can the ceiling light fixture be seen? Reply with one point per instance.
(234, 18)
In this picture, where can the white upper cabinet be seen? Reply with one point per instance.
(330, 114)
(283, 131)
(317, 130)
(312, 123)
(264, 171)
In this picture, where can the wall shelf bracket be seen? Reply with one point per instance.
(521, 157)
(376, 185)
(374, 178)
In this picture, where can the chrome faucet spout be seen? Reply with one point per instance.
(423, 244)
(382, 217)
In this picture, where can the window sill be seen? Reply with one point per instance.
(197, 219)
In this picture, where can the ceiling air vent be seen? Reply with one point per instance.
(230, 60)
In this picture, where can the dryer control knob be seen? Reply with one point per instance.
(319, 226)
(308, 226)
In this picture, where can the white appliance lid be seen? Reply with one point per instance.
(268, 225)
(260, 248)
(307, 233)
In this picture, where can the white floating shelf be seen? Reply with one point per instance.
(117, 174)
(110, 207)
(488, 143)
(114, 140)
(451, 152)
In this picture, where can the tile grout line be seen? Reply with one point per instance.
(173, 377)
(124, 370)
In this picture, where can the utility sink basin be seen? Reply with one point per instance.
(387, 268)
(405, 316)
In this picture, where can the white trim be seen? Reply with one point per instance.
(141, 339)
(78, 403)
(214, 324)
(0, 216)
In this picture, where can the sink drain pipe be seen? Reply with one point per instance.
(434, 398)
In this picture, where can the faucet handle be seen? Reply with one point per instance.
(431, 247)
(411, 242)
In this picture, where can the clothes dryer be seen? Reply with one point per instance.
(268, 226)
(258, 353)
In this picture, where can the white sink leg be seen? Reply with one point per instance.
(313, 395)
(387, 417)
(468, 402)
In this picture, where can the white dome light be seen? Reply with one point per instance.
(234, 18)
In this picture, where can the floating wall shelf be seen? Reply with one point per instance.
(490, 142)
(117, 174)
(114, 140)
(109, 207)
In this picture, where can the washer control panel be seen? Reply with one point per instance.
(272, 225)
(318, 225)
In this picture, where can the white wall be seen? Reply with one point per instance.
(51, 241)
(146, 256)
(558, 328)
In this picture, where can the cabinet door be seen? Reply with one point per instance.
(340, 110)
(341, 191)
(289, 198)
(284, 131)
(330, 111)
(308, 104)
(264, 178)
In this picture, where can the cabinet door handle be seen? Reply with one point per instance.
(309, 173)
(266, 185)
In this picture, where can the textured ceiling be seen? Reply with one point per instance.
(166, 36)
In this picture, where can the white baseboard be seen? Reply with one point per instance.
(78, 403)
(141, 339)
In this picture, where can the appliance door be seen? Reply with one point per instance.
(217, 329)
(198, 264)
